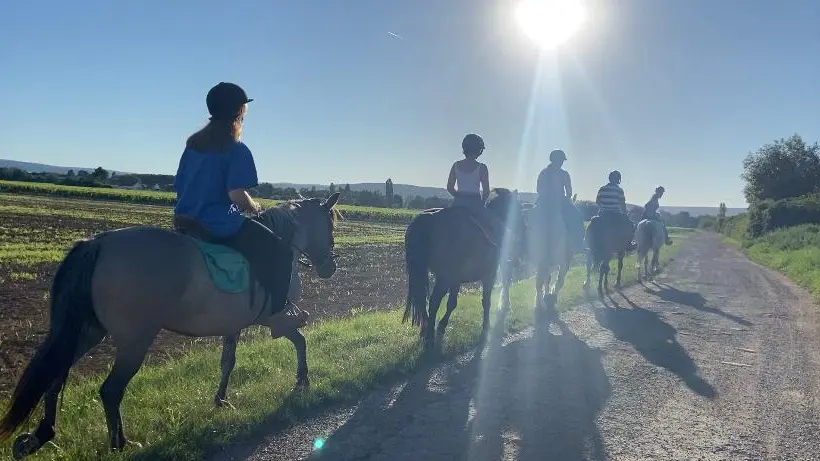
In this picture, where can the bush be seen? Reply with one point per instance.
(768, 215)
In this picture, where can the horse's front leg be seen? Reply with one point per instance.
(227, 363)
(588, 262)
(618, 284)
(656, 265)
(299, 343)
(486, 297)
(452, 302)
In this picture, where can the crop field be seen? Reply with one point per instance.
(35, 231)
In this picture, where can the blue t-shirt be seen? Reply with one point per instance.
(202, 183)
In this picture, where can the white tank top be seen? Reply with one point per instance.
(469, 182)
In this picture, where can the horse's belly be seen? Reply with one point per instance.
(205, 311)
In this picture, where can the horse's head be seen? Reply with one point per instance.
(315, 220)
(505, 205)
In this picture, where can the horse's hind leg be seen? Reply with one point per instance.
(439, 290)
(299, 343)
(452, 302)
(127, 362)
(227, 363)
(28, 443)
(618, 283)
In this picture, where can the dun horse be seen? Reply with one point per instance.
(649, 235)
(451, 244)
(133, 282)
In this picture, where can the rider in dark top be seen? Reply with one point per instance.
(650, 211)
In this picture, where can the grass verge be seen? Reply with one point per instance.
(793, 251)
(169, 408)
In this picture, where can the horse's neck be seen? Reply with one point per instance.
(281, 221)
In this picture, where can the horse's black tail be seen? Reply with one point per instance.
(71, 312)
(416, 253)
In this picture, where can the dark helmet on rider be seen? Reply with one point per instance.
(472, 144)
(557, 155)
(615, 177)
(660, 190)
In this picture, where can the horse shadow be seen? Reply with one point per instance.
(692, 299)
(654, 339)
(537, 397)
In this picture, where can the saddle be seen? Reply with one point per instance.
(485, 229)
(189, 226)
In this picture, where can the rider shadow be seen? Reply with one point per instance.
(692, 299)
(654, 339)
(537, 397)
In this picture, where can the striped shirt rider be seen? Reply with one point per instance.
(611, 199)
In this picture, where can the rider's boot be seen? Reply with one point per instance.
(288, 319)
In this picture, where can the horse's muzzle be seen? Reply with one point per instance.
(326, 268)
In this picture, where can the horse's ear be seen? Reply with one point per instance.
(331, 201)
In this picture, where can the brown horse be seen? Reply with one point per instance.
(133, 282)
(451, 244)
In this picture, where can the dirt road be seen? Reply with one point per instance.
(718, 359)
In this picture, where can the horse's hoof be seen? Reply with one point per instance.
(25, 445)
(301, 386)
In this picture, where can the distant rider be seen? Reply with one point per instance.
(554, 188)
(612, 205)
(650, 211)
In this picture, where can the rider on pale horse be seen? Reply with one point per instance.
(212, 181)
(612, 206)
(650, 211)
(469, 184)
(554, 189)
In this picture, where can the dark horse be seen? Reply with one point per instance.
(133, 282)
(605, 237)
(450, 243)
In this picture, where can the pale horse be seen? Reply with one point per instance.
(649, 235)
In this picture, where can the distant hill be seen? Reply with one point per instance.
(43, 168)
(403, 190)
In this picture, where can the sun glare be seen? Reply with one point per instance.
(550, 22)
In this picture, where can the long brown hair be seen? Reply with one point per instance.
(218, 135)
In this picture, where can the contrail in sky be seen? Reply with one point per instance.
(396, 35)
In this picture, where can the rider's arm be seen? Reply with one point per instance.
(241, 177)
(623, 202)
(451, 181)
(485, 182)
(567, 184)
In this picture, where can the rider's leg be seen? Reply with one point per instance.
(271, 260)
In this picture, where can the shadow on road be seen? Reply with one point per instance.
(532, 399)
(654, 339)
(692, 299)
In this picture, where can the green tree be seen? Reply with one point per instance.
(782, 169)
(721, 217)
(99, 174)
(388, 191)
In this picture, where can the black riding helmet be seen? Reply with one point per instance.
(615, 177)
(660, 190)
(557, 154)
(472, 144)
(225, 100)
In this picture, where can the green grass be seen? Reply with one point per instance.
(168, 408)
(794, 251)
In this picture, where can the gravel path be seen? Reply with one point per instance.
(717, 359)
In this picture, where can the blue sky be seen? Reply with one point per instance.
(668, 92)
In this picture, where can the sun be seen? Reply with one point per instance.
(550, 23)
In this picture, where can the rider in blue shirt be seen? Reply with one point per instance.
(215, 172)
